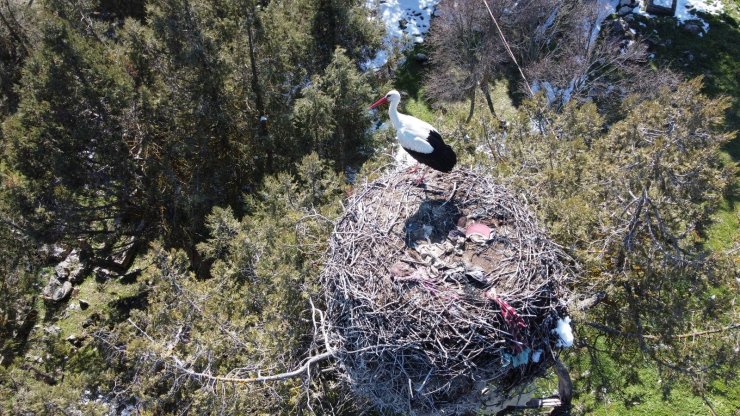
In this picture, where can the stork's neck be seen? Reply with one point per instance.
(393, 113)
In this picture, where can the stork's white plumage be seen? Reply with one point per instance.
(419, 138)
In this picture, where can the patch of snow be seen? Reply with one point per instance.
(547, 87)
(603, 9)
(427, 231)
(687, 9)
(565, 332)
(566, 93)
(416, 14)
(542, 29)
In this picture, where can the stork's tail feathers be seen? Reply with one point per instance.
(445, 160)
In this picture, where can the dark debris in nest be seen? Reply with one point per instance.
(437, 292)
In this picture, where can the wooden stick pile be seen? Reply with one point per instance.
(434, 293)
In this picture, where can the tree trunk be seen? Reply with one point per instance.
(255, 81)
(259, 101)
(472, 105)
(487, 94)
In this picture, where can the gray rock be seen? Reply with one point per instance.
(693, 27)
(75, 340)
(421, 58)
(52, 330)
(625, 10)
(55, 290)
(70, 268)
(54, 252)
(103, 274)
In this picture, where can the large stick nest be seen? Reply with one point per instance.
(436, 292)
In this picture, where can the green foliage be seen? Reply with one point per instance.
(122, 129)
(66, 141)
(18, 288)
(124, 124)
(647, 391)
(632, 204)
(333, 111)
(16, 40)
(249, 315)
(344, 24)
(713, 55)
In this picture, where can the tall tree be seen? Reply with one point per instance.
(66, 142)
(332, 113)
(343, 24)
(631, 203)
(467, 52)
(194, 126)
(247, 317)
(16, 42)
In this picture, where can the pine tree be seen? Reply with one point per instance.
(332, 113)
(343, 24)
(66, 142)
(197, 151)
(631, 203)
(248, 316)
(16, 42)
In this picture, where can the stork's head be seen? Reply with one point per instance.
(393, 97)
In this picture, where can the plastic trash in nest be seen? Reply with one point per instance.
(478, 232)
(565, 332)
(516, 360)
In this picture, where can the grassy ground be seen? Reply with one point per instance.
(105, 302)
(64, 365)
(648, 397)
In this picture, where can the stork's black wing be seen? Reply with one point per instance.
(442, 158)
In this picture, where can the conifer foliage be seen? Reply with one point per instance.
(176, 164)
(125, 126)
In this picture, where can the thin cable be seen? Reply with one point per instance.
(508, 49)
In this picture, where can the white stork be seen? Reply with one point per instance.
(418, 138)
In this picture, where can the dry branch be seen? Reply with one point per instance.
(260, 379)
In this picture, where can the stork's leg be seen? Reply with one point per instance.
(413, 169)
(420, 180)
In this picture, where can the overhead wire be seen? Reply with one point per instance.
(508, 48)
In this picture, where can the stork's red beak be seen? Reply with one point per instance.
(379, 102)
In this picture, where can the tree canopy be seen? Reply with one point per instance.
(171, 173)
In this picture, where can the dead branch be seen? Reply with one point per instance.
(260, 379)
(614, 331)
